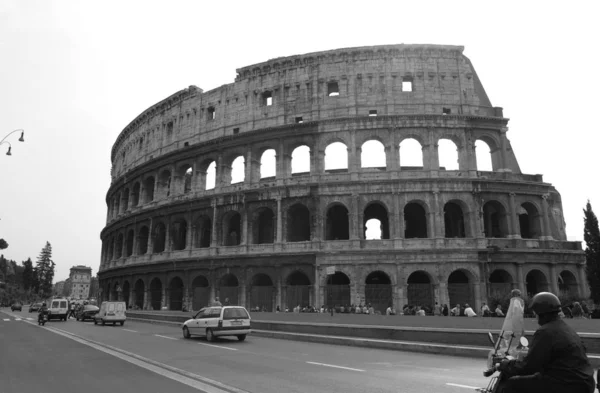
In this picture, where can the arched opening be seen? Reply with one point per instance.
(156, 294)
(460, 290)
(200, 292)
(268, 164)
(337, 226)
(188, 175)
(135, 197)
(178, 234)
(298, 290)
(232, 229)
(378, 291)
(529, 221)
(238, 170)
(111, 249)
(211, 176)
(126, 290)
(129, 243)
(495, 223)
(264, 228)
(176, 294)
(415, 221)
(336, 157)
(500, 283)
(536, 282)
(160, 235)
(149, 189)
(567, 284)
(298, 223)
(139, 290)
(301, 160)
(454, 221)
(337, 291)
(448, 155)
(375, 214)
(202, 233)
(117, 203)
(373, 155)
(228, 290)
(125, 200)
(411, 155)
(420, 290)
(165, 184)
(119, 246)
(143, 241)
(262, 293)
(483, 155)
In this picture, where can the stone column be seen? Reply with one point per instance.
(438, 213)
(514, 218)
(355, 226)
(520, 279)
(504, 149)
(583, 283)
(163, 298)
(553, 279)
(244, 229)
(279, 221)
(280, 171)
(444, 296)
(150, 238)
(477, 290)
(168, 245)
(547, 232)
(279, 297)
(214, 235)
(248, 168)
(188, 234)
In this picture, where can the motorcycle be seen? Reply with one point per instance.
(43, 319)
(496, 357)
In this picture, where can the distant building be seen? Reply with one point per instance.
(59, 287)
(67, 288)
(94, 287)
(80, 277)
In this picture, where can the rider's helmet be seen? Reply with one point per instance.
(545, 302)
(44, 304)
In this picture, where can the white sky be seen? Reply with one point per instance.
(73, 74)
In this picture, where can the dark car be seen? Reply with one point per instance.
(16, 306)
(35, 307)
(86, 312)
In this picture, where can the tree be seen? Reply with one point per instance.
(591, 235)
(45, 271)
(3, 244)
(27, 274)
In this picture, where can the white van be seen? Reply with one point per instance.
(58, 308)
(111, 312)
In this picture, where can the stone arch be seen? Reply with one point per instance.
(495, 219)
(164, 184)
(536, 281)
(500, 283)
(483, 155)
(337, 290)
(142, 244)
(176, 294)
(298, 287)
(415, 218)
(238, 169)
(411, 154)
(155, 293)
(207, 171)
(178, 234)
(300, 162)
(129, 243)
(376, 213)
(232, 228)
(264, 226)
(149, 189)
(125, 200)
(336, 156)
(119, 246)
(454, 220)
(337, 225)
(420, 289)
(135, 195)
(298, 223)
(268, 163)
(200, 292)
(448, 154)
(185, 176)
(373, 154)
(228, 289)
(262, 292)
(460, 288)
(160, 236)
(126, 291)
(530, 221)
(378, 291)
(202, 231)
(567, 284)
(114, 291)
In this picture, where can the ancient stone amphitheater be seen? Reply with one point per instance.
(243, 193)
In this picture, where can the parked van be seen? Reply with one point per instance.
(58, 307)
(111, 312)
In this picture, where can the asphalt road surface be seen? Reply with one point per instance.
(141, 357)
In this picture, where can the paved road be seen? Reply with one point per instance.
(257, 365)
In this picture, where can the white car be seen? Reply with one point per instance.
(218, 321)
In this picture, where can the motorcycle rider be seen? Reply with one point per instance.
(556, 361)
(42, 311)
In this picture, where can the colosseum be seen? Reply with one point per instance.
(243, 192)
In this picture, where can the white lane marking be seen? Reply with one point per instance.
(6, 319)
(30, 319)
(462, 386)
(388, 364)
(334, 366)
(132, 331)
(198, 382)
(218, 346)
(17, 319)
(170, 338)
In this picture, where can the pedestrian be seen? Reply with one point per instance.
(455, 312)
(445, 310)
(216, 302)
(485, 310)
(469, 311)
(437, 309)
(226, 301)
(498, 311)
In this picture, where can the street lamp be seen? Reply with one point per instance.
(21, 139)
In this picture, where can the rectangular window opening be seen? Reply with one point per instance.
(373, 112)
(446, 111)
(236, 131)
(267, 98)
(407, 85)
(299, 120)
(333, 89)
(211, 113)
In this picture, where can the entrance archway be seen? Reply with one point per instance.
(459, 289)
(567, 284)
(176, 294)
(126, 290)
(201, 292)
(298, 290)
(420, 290)
(155, 294)
(500, 283)
(337, 291)
(139, 294)
(261, 293)
(228, 289)
(536, 282)
(378, 291)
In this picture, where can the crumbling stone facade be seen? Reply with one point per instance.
(174, 239)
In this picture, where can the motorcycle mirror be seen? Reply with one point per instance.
(491, 337)
(524, 341)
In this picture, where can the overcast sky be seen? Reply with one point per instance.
(73, 74)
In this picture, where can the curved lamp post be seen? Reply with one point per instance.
(21, 139)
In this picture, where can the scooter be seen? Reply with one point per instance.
(495, 358)
(43, 319)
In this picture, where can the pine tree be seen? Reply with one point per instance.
(591, 235)
(3, 244)
(45, 271)
(27, 274)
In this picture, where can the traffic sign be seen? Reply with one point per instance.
(330, 270)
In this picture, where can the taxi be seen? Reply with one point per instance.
(218, 321)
